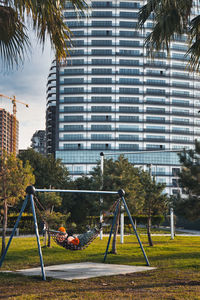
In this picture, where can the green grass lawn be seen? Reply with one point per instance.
(177, 275)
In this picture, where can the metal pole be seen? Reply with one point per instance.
(101, 198)
(122, 225)
(121, 194)
(77, 191)
(172, 222)
(113, 223)
(38, 238)
(150, 169)
(14, 229)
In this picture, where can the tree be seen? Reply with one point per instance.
(171, 18)
(45, 18)
(120, 174)
(156, 202)
(81, 205)
(189, 205)
(49, 201)
(14, 178)
(48, 171)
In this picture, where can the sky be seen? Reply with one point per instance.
(28, 84)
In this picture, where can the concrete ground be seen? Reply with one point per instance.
(83, 270)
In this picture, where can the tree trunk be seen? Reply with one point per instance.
(114, 248)
(49, 238)
(44, 231)
(149, 231)
(5, 220)
(45, 238)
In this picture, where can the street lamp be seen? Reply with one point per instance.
(101, 198)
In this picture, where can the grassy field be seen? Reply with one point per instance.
(177, 275)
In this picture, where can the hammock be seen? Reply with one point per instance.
(85, 239)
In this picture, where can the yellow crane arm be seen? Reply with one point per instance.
(14, 99)
(1, 95)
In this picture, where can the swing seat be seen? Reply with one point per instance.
(85, 239)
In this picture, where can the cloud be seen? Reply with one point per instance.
(28, 84)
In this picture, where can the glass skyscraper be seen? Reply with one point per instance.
(111, 97)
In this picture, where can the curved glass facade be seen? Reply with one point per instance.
(112, 97)
(51, 110)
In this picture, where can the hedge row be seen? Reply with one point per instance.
(26, 224)
(139, 219)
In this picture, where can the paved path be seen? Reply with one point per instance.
(179, 231)
(188, 231)
(83, 270)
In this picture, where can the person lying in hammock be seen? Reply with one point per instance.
(66, 237)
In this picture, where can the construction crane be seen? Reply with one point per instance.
(14, 129)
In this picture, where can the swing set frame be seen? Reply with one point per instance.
(31, 190)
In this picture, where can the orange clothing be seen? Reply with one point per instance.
(62, 229)
(73, 240)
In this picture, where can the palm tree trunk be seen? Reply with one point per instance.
(5, 220)
(149, 231)
(114, 242)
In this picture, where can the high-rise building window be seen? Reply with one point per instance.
(111, 96)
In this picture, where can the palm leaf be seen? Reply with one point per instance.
(79, 5)
(164, 29)
(13, 38)
(170, 17)
(46, 19)
(194, 42)
(146, 10)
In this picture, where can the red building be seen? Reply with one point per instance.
(9, 132)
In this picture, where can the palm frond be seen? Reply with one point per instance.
(146, 10)
(77, 4)
(170, 17)
(164, 29)
(194, 54)
(14, 41)
(194, 43)
(46, 17)
(48, 21)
